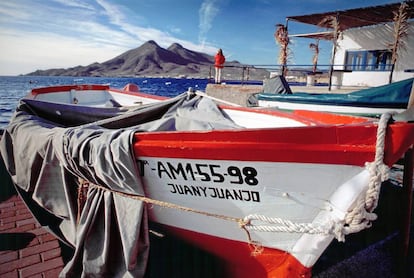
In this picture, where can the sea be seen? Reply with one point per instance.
(13, 88)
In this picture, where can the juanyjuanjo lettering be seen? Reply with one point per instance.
(182, 178)
(213, 192)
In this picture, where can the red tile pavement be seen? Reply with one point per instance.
(27, 249)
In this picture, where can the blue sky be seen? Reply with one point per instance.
(43, 34)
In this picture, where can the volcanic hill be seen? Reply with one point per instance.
(151, 60)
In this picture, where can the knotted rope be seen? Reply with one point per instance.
(356, 220)
(201, 94)
(362, 215)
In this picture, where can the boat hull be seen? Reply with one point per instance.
(333, 108)
(299, 174)
(241, 259)
(394, 97)
(213, 197)
(275, 195)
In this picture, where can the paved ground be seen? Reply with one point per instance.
(242, 94)
(26, 249)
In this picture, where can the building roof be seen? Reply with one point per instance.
(356, 17)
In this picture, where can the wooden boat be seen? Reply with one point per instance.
(374, 101)
(265, 191)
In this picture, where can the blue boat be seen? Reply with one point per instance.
(367, 102)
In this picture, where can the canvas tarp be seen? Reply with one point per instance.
(276, 85)
(45, 157)
(394, 95)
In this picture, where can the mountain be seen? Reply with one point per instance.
(151, 60)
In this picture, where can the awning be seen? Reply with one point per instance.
(356, 17)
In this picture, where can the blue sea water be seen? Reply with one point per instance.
(13, 88)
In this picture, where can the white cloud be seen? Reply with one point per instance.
(13, 10)
(53, 51)
(75, 3)
(113, 12)
(143, 34)
(175, 30)
(61, 34)
(207, 13)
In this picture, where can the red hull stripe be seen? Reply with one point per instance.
(86, 87)
(55, 89)
(347, 144)
(330, 118)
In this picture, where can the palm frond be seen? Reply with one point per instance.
(401, 28)
(332, 22)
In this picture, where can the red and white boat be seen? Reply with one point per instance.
(268, 194)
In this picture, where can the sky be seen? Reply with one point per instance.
(44, 34)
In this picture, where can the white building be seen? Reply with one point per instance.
(363, 52)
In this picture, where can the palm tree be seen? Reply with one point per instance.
(282, 38)
(401, 27)
(332, 22)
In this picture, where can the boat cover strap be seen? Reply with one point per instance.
(45, 152)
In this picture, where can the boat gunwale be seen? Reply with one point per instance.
(315, 123)
(64, 88)
(334, 144)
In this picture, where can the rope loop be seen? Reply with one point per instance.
(362, 215)
(359, 218)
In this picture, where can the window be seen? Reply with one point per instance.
(368, 60)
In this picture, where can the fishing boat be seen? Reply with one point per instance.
(266, 191)
(372, 102)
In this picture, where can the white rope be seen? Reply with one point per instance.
(282, 225)
(362, 215)
(358, 219)
(199, 93)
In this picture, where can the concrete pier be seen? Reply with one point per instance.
(241, 94)
(237, 94)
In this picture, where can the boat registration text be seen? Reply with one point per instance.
(200, 179)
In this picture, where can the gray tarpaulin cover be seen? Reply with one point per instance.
(47, 147)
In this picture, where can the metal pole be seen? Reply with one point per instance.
(334, 41)
(391, 73)
(331, 66)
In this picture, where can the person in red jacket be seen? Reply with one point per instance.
(219, 60)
